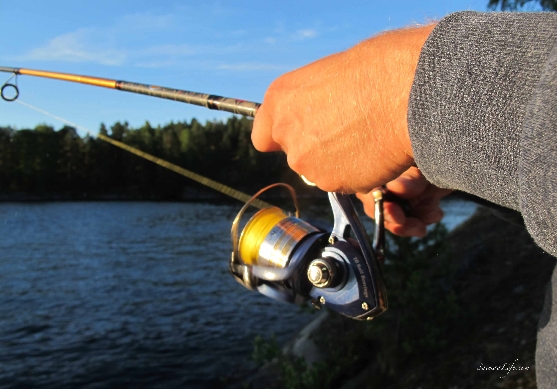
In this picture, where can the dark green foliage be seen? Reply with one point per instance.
(516, 5)
(295, 373)
(265, 351)
(47, 163)
(422, 302)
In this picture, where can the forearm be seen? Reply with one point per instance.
(392, 59)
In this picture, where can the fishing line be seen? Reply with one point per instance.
(224, 189)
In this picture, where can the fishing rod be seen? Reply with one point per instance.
(228, 104)
(276, 253)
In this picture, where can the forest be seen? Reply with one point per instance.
(44, 163)
(50, 164)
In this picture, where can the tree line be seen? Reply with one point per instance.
(48, 163)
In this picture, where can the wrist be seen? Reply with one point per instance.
(393, 59)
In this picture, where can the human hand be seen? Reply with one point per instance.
(342, 120)
(423, 198)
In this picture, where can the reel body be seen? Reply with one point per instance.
(291, 260)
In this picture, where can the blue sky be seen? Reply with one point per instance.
(229, 48)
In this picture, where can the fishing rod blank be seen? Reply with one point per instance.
(241, 107)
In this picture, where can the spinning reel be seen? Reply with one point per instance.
(291, 260)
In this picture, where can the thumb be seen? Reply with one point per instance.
(262, 133)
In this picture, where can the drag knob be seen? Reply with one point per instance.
(322, 272)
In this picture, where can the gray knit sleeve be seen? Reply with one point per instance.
(483, 114)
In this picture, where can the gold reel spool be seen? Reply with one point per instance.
(270, 236)
(255, 232)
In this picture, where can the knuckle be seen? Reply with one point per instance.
(279, 136)
(275, 88)
(294, 162)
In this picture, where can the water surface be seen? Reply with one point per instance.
(125, 294)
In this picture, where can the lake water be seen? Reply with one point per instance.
(135, 295)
